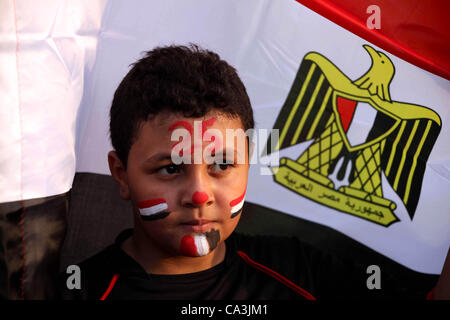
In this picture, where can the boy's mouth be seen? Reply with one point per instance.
(198, 225)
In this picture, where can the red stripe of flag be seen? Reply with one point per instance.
(398, 34)
(236, 201)
(150, 203)
(188, 246)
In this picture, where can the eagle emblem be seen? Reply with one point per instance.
(357, 133)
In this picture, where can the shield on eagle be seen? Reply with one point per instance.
(357, 131)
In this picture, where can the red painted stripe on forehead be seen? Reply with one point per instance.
(207, 123)
(181, 123)
(150, 203)
(188, 246)
(199, 197)
(237, 200)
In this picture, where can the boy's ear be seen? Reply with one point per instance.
(119, 174)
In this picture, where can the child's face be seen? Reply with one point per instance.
(186, 209)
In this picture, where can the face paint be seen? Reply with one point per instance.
(199, 197)
(216, 144)
(213, 238)
(206, 124)
(187, 246)
(236, 205)
(183, 149)
(183, 124)
(180, 147)
(199, 245)
(153, 209)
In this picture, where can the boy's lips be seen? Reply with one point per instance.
(198, 225)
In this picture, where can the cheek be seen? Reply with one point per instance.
(151, 205)
(152, 199)
(233, 198)
(163, 233)
(232, 194)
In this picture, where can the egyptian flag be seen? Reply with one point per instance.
(199, 244)
(359, 91)
(153, 209)
(236, 205)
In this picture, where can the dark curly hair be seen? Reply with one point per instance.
(186, 80)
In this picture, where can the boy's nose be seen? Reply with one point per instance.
(197, 188)
(199, 197)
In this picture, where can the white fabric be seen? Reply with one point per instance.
(72, 51)
(46, 46)
(362, 122)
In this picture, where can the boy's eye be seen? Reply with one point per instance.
(170, 169)
(221, 167)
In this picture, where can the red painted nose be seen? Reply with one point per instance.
(199, 197)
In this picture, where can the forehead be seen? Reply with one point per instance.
(167, 119)
(157, 132)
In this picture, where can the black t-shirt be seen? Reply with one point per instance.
(254, 268)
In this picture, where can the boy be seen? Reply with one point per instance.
(182, 245)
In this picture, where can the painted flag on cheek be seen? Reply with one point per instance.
(236, 205)
(153, 209)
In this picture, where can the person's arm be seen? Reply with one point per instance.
(442, 289)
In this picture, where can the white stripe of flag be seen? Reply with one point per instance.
(237, 203)
(202, 245)
(150, 207)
